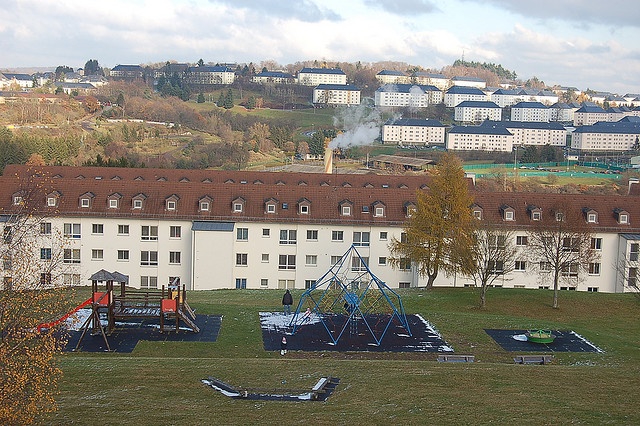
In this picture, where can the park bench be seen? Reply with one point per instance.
(533, 359)
(456, 358)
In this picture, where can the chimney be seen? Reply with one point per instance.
(328, 160)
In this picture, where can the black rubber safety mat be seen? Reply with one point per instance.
(565, 341)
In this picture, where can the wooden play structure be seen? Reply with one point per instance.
(169, 306)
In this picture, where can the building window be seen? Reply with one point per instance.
(379, 212)
(594, 268)
(309, 283)
(242, 234)
(123, 229)
(174, 257)
(633, 277)
(171, 205)
(304, 209)
(282, 284)
(71, 256)
(241, 259)
(382, 261)
(45, 228)
(149, 233)
(495, 267)
(72, 230)
(113, 203)
(312, 235)
(123, 255)
(175, 231)
(404, 285)
(45, 254)
(137, 204)
(85, 202)
(287, 261)
(633, 252)
(241, 283)
(404, 264)
(545, 266)
(204, 206)
(52, 201)
(148, 282)
(497, 242)
(311, 260)
(71, 279)
(570, 270)
(596, 243)
(346, 210)
(623, 218)
(535, 215)
(335, 259)
(570, 244)
(6, 262)
(361, 239)
(97, 254)
(17, 200)
(592, 289)
(521, 265)
(359, 264)
(45, 278)
(271, 208)
(149, 258)
(383, 236)
(264, 282)
(237, 207)
(508, 215)
(97, 228)
(592, 218)
(337, 236)
(288, 236)
(265, 257)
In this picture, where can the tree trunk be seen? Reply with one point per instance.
(483, 296)
(555, 290)
(430, 279)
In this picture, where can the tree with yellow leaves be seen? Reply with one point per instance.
(439, 233)
(32, 292)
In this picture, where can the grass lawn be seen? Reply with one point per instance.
(159, 383)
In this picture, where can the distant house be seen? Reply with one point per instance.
(469, 82)
(589, 113)
(79, 88)
(127, 72)
(432, 79)
(410, 131)
(210, 75)
(336, 94)
(392, 77)
(407, 95)
(316, 76)
(530, 111)
(279, 77)
(23, 80)
(477, 111)
(457, 94)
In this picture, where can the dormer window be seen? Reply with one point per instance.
(590, 215)
(52, 199)
(237, 205)
(271, 205)
(476, 211)
(508, 213)
(17, 200)
(345, 208)
(114, 200)
(622, 216)
(304, 206)
(559, 216)
(409, 208)
(171, 202)
(535, 212)
(137, 203)
(204, 204)
(379, 209)
(86, 199)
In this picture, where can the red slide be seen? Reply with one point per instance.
(48, 325)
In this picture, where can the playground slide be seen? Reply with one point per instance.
(48, 325)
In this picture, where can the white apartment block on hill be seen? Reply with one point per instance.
(457, 94)
(477, 111)
(336, 94)
(530, 111)
(316, 76)
(409, 131)
(623, 135)
(407, 95)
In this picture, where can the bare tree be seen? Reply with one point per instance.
(33, 292)
(494, 255)
(628, 266)
(560, 243)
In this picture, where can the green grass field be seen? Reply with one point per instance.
(159, 383)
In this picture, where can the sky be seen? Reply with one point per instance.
(582, 43)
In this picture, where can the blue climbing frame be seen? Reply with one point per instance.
(350, 288)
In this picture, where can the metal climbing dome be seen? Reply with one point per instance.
(349, 296)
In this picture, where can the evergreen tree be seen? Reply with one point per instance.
(200, 98)
(228, 99)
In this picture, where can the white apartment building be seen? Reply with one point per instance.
(432, 79)
(210, 75)
(278, 77)
(589, 114)
(407, 95)
(336, 94)
(536, 133)
(530, 111)
(409, 131)
(457, 94)
(466, 81)
(317, 76)
(623, 135)
(490, 136)
(477, 111)
(563, 112)
(238, 229)
(392, 77)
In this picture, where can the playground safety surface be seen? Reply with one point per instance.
(313, 336)
(565, 341)
(126, 335)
